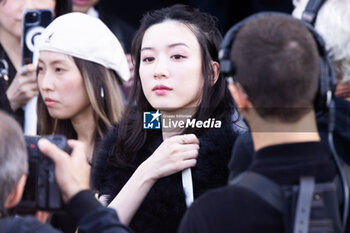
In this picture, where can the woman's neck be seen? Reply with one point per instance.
(12, 46)
(84, 125)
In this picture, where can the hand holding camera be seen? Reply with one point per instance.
(53, 173)
(41, 191)
(72, 172)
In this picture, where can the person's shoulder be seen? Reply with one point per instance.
(219, 196)
(28, 224)
(219, 132)
(227, 208)
(231, 199)
(217, 211)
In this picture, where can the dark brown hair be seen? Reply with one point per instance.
(216, 100)
(277, 64)
(63, 7)
(107, 110)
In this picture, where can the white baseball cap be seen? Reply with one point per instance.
(86, 37)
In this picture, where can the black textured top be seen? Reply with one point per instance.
(164, 206)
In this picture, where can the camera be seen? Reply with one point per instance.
(41, 191)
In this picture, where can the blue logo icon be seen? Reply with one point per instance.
(151, 120)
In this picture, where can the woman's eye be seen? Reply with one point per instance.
(177, 56)
(58, 69)
(148, 59)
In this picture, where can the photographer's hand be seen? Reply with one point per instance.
(72, 172)
(42, 216)
(23, 87)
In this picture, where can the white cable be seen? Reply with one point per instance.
(187, 185)
(30, 117)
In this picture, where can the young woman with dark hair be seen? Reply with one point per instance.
(79, 83)
(138, 171)
(80, 69)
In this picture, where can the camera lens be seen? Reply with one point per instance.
(32, 17)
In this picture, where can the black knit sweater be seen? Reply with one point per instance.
(164, 206)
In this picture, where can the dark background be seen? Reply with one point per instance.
(227, 11)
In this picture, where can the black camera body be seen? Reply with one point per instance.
(41, 191)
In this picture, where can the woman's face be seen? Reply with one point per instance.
(11, 13)
(61, 86)
(171, 66)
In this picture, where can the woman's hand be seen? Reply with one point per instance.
(173, 155)
(23, 87)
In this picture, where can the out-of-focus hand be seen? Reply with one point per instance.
(173, 155)
(23, 87)
(42, 216)
(72, 172)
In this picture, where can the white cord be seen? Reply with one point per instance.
(187, 185)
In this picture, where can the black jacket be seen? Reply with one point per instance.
(164, 206)
(236, 209)
(4, 102)
(84, 209)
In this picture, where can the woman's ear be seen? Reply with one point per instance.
(216, 72)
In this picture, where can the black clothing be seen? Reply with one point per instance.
(4, 102)
(235, 209)
(164, 206)
(341, 135)
(243, 150)
(83, 209)
(242, 155)
(227, 12)
(120, 28)
(24, 225)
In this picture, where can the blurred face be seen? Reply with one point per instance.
(61, 86)
(171, 67)
(83, 5)
(11, 13)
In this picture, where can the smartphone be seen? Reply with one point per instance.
(34, 22)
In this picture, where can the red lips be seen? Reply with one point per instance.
(50, 102)
(161, 89)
